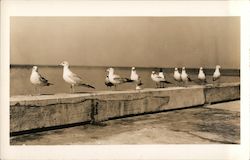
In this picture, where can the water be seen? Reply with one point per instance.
(20, 83)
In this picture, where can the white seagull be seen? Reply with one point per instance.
(177, 75)
(135, 78)
(184, 75)
(202, 76)
(158, 79)
(107, 82)
(217, 73)
(115, 79)
(161, 73)
(37, 80)
(72, 78)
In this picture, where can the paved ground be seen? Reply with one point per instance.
(219, 123)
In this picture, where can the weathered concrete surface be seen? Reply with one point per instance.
(32, 112)
(212, 124)
(221, 93)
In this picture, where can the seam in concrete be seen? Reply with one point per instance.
(211, 140)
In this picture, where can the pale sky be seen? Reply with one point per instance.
(127, 41)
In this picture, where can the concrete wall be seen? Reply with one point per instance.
(224, 92)
(32, 112)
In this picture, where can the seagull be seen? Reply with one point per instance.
(184, 76)
(177, 75)
(158, 79)
(216, 74)
(107, 82)
(72, 78)
(116, 79)
(135, 78)
(37, 80)
(202, 76)
(161, 73)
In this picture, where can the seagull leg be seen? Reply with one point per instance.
(73, 87)
(35, 90)
(183, 83)
(70, 91)
(186, 84)
(39, 90)
(177, 83)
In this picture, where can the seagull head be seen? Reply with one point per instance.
(218, 66)
(176, 69)
(153, 72)
(183, 68)
(110, 70)
(64, 63)
(201, 68)
(35, 68)
(133, 68)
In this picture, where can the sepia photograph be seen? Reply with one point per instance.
(124, 80)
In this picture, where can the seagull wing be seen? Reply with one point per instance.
(117, 77)
(128, 80)
(189, 79)
(75, 77)
(44, 81)
(87, 85)
(120, 79)
(79, 80)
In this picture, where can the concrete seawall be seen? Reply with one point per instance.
(37, 112)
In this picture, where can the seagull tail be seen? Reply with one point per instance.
(48, 84)
(166, 82)
(87, 85)
(109, 84)
(139, 84)
(128, 80)
(214, 78)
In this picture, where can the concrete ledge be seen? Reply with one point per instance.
(224, 92)
(34, 112)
